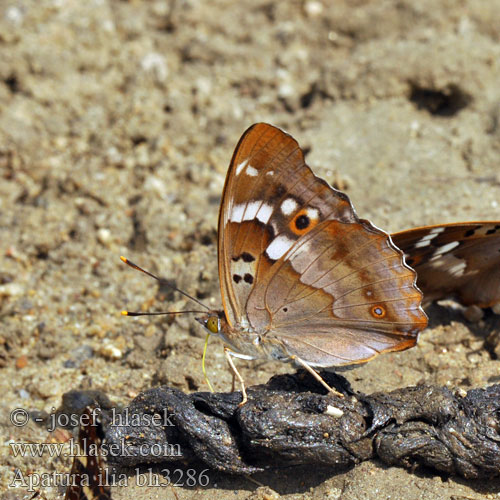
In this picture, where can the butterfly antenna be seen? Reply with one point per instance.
(161, 313)
(163, 282)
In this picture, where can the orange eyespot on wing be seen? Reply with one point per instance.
(378, 311)
(304, 220)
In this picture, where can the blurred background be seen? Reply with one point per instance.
(117, 123)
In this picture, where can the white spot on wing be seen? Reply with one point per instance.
(250, 211)
(289, 206)
(241, 166)
(449, 246)
(252, 172)
(237, 213)
(424, 242)
(313, 213)
(447, 262)
(278, 247)
(444, 249)
(458, 269)
(265, 212)
(270, 173)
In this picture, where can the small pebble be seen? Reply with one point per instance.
(104, 236)
(11, 290)
(110, 351)
(14, 15)
(313, 8)
(24, 394)
(334, 411)
(21, 362)
(155, 64)
(156, 185)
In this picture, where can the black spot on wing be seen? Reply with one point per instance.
(493, 230)
(302, 222)
(247, 257)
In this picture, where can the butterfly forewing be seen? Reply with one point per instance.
(298, 266)
(270, 199)
(459, 260)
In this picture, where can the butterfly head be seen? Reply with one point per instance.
(212, 321)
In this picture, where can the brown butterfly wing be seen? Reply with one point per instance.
(267, 186)
(459, 260)
(298, 265)
(88, 480)
(342, 295)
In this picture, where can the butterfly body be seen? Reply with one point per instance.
(302, 278)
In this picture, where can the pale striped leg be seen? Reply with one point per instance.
(228, 354)
(317, 376)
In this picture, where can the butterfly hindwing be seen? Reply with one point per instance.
(341, 296)
(459, 260)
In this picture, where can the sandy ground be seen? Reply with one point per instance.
(117, 123)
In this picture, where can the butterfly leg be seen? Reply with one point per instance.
(317, 376)
(232, 382)
(236, 374)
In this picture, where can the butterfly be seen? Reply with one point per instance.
(87, 473)
(460, 260)
(302, 278)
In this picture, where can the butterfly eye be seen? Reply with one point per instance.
(378, 311)
(212, 324)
